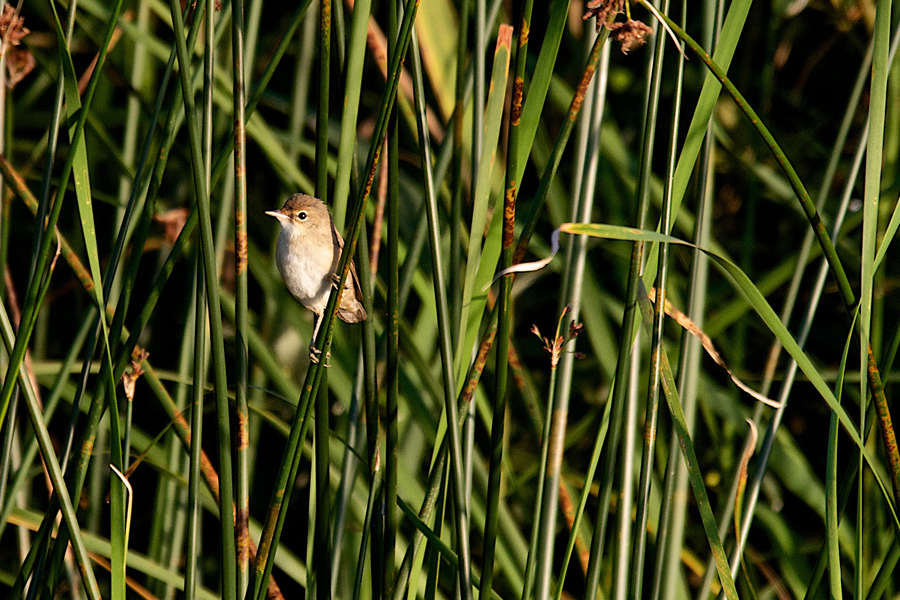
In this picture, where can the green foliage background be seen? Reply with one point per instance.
(443, 449)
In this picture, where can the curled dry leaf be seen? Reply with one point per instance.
(692, 328)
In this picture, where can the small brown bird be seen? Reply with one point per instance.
(307, 254)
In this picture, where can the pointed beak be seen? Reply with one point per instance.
(277, 214)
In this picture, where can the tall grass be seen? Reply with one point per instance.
(440, 449)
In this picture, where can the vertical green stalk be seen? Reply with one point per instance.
(353, 78)
(47, 452)
(52, 140)
(375, 529)
(392, 435)
(290, 460)
(584, 189)
(871, 196)
(458, 185)
(306, 53)
(241, 324)
(505, 300)
(445, 330)
(629, 320)
(478, 98)
(191, 573)
(30, 305)
(652, 408)
(321, 537)
(201, 193)
(673, 513)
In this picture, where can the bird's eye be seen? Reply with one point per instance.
(301, 215)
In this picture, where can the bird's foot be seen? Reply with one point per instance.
(314, 356)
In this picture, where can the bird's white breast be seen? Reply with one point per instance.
(306, 268)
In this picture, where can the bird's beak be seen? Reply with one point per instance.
(277, 214)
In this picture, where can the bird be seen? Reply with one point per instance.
(307, 254)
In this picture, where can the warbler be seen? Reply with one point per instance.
(307, 254)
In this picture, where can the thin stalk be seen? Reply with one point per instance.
(871, 196)
(281, 496)
(346, 153)
(241, 324)
(191, 574)
(457, 185)
(201, 194)
(321, 537)
(629, 321)
(572, 291)
(30, 305)
(392, 374)
(652, 409)
(504, 306)
(373, 451)
(47, 453)
(437, 265)
(673, 512)
(56, 117)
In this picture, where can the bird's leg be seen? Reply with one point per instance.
(313, 351)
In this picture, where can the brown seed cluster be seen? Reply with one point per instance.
(604, 10)
(554, 347)
(629, 33)
(19, 60)
(129, 380)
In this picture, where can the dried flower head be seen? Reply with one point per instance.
(554, 346)
(604, 10)
(630, 34)
(129, 380)
(19, 63)
(12, 28)
(575, 329)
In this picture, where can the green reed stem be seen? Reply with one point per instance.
(223, 413)
(445, 331)
(241, 324)
(191, 574)
(629, 320)
(392, 374)
(281, 494)
(652, 409)
(321, 538)
(504, 306)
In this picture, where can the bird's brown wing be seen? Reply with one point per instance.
(351, 309)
